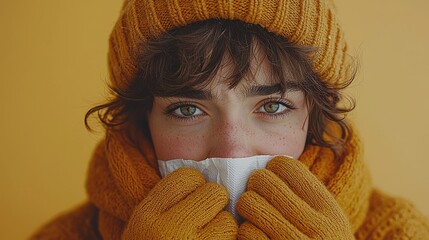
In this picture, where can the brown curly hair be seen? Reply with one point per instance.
(190, 56)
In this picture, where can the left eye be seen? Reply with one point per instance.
(272, 108)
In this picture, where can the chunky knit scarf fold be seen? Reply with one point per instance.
(120, 176)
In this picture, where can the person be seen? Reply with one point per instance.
(231, 79)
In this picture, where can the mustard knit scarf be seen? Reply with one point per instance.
(120, 176)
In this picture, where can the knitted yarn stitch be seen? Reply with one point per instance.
(303, 22)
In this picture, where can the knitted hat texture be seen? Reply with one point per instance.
(303, 22)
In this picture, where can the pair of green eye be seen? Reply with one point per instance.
(190, 110)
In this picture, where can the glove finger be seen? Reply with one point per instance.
(283, 199)
(171, 190)
(223, 226)
(201, 206)
(303, 183)
(264, 216)
(248, 231)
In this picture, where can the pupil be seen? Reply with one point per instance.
(271, 107)
(188, 110)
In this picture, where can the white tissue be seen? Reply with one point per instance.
(232, 173)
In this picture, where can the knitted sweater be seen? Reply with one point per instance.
(120, 176)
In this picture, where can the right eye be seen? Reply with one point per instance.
(186, 111)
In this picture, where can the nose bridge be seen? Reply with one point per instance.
(232, 138)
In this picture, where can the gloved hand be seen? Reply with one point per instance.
(182, 206)
(286, 201)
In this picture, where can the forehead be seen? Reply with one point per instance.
(259, 79)
(259, 72)
(224, 64)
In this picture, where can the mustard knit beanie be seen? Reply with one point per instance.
(303, 22)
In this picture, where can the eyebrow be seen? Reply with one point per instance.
(263, 90)
(252, 91)
(196, 94)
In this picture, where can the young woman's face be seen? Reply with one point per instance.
(251, 119)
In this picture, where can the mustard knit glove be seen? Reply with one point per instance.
(182, 206)
(286, 201)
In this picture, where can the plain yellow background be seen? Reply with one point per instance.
(53, 69)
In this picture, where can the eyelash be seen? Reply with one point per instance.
(170, 109)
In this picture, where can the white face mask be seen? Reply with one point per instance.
(232, 173)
